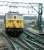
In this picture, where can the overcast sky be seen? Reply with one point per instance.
(37, 1)
(3, 9)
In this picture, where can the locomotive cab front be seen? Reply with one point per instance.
(14, 24)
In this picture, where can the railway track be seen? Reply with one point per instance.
(12, 41)
(10, 47)
(36, 37)
(34, 43)
(29, 41)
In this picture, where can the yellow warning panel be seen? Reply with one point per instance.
(14, 24)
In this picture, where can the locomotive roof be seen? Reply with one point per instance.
(14, 13)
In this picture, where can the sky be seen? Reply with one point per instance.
(34, 1)
(3, 9)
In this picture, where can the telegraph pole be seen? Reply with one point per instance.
(40, 18)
